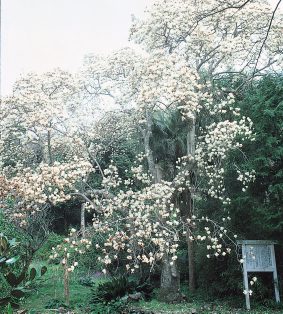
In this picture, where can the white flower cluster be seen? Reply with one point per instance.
(245, 178)
(50, 183)
(213, 149)
(140, 175)
(70, 249)
(111, 177)
(146, 224)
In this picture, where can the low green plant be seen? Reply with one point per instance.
(54, 304)
(19, 285)
(112, 289)
(6, 247)
(16, 284)
(112, 307)
(108, 297)
(86, 281)
(9, 309)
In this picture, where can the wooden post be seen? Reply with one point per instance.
(245, 277)
(275, 277)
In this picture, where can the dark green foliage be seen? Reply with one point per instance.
(169, 136)
(86, 281)
(32, 274)
(43, 270)
(112, 289)
(258, 212)
(168, 141)
(146, 289)
(6, 251)
(113, 307)
(218, 277)
(24, 279)
(262, 205)
(55, 304)
(106, 297)
(11, 280)
(118, 287)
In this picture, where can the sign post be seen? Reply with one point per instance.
(258, 256)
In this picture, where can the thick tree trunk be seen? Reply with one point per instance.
(170, 281)
(170, 277)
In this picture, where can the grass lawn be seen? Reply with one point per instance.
(48, 294)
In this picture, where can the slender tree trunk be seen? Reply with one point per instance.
(149, 154)
(191, 261)
(50, 160)
(83, 220)
(66, 282)
(190, 244)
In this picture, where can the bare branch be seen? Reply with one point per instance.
(266, 36)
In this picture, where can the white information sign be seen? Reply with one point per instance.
(258, 256)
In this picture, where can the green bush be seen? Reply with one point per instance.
(112, 289)
(86, 281)
(54, 304)
(112, 307)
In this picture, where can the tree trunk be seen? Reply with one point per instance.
(66, 282)
(170, 277)
(170, 281)
(190, 244)
(149, 154)
(50, 159)
(83, 220)
(191, 262)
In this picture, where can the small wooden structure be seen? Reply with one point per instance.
(258, 256)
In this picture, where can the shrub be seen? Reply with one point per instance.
(112, 289)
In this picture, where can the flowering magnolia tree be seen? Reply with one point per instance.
(148, 222)
(50, 149)
(190, 45)
(215, 37)
(68, 252)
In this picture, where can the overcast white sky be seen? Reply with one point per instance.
(39, 35)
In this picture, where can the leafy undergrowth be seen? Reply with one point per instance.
(48, 297)
(199, 307)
